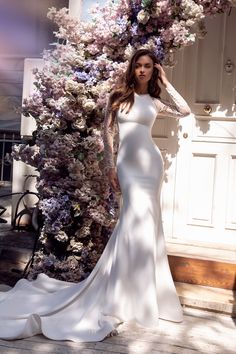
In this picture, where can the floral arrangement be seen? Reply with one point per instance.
(78, 208)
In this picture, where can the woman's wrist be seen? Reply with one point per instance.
(165, 82)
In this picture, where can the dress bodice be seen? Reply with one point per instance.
(143, 111)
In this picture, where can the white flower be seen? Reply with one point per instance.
(129, 50)
(94, 90)
(158, 11)
(143, 17)
(192, 10)
(73, 86)
(89, 105)
(115, 28)
(190, 23)
(76, 246)
(61, 236)
(79, 123)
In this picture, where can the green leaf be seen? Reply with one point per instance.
(81, 156)
(146, 3)
(100, 156)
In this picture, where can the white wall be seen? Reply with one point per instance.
(80, 7)
(28, 124)
(75, 7)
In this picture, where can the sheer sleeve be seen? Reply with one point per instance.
(108, 137)
(177, 108)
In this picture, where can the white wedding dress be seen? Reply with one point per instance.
(132, 279)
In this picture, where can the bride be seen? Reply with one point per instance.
(131, 282)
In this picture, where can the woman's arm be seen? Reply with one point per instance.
(178, 107)
(108, 136)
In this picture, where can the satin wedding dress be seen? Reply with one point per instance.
(132, 279)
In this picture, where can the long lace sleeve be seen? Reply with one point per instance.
(108, 135)
(178, 108)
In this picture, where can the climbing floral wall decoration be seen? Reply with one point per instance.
(78, 208)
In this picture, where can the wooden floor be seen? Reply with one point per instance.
(200, 332)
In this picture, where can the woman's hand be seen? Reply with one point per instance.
(162, 75)
(113, 179)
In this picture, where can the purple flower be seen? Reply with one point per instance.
(159, 50)
(143, 39)
(122, 22)
(136, 7)
(134, 29)
(81, 76)
(88, 64)
(56, 212)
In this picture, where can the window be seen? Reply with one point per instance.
(6, 142)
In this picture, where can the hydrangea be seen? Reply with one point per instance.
(57, 214)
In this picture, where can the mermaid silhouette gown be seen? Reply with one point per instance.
(131, 282)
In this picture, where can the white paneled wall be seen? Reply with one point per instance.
(28, 124)
(75, 7)
(20, 74)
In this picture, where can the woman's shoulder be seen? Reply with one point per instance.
(157, 102)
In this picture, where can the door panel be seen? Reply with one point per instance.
(230, 220)
(208, 63)
(205, 188)
(201, 189)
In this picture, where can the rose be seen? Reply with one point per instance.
(143, 17)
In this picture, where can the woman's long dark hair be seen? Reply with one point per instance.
(125, 91)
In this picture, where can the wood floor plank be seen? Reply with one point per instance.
(216, 274)
(200, 332)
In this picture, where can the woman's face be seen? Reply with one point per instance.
(143, 69)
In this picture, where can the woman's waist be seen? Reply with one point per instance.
(135, 131)
(128, 144)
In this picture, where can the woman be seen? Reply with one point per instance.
(132, 280)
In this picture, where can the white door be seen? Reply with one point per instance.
(205, 186)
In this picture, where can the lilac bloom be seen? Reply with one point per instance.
(81, 76)
(134, 29)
